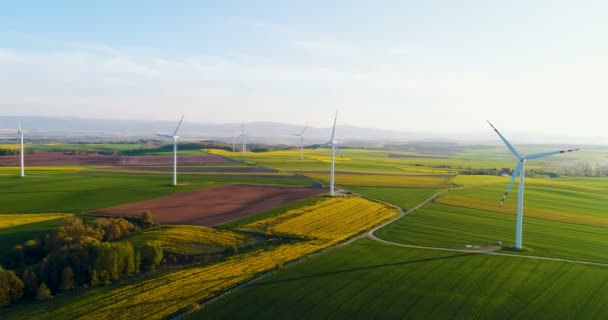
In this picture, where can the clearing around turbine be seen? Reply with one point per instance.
(175, 137)
(301, 135)
(520, 169)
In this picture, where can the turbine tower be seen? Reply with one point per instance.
(334, 146)
(20, 132)
(243, 137)
(520, 169)
(301, 135)
(175, 137)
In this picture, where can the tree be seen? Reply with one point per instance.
(151, 255)
(147, 218)
(30, 282)
(67, 280)
(11, 287)
(43, 293)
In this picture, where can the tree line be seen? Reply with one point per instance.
(78, 254)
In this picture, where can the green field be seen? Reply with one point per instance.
(401, 197)
(368, 280)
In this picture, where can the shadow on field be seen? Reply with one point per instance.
(330, 273)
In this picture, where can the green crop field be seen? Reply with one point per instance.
(367, 280)
(401, 197)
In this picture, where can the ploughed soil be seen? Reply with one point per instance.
(60, 158)
(216, 205)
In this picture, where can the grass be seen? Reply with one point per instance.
(368, 280)
(192, 240)
(401, 197)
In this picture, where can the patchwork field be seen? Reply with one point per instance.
(166, 294)
(215, 205)
(75, 192)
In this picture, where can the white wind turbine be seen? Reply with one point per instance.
(175, 137)
(243, 137)
(521, 170)
(301, 135)
(334, 147)
(20, 131)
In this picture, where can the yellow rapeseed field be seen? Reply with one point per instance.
(192, 240)
(8, 220)
(332, 220)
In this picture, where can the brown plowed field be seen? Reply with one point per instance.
(194, 169)
(60, 158)
(212, 206)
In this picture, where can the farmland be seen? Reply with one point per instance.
(149, 298)
(215, 205)
(565, 218)
(367, 280)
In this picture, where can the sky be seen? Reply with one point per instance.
(422, 66)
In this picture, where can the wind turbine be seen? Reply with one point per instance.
(334, 146)
(20, 132)
(301, 135)
(521, 170)
(243, 137)
(175, 137)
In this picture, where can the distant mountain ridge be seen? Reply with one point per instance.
(86, 129)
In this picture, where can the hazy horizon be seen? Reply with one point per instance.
(436, 67)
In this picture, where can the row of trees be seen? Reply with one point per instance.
(78, 254)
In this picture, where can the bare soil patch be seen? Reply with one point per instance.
(212, 206)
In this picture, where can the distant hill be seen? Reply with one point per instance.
(89, 129)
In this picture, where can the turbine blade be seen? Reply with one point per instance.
(510, 185)
(546, 154)
(178, 125)
(339, 152)
(505, 141)
(163, 135)
(19, 126)
(306, 127)
(333, 130)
